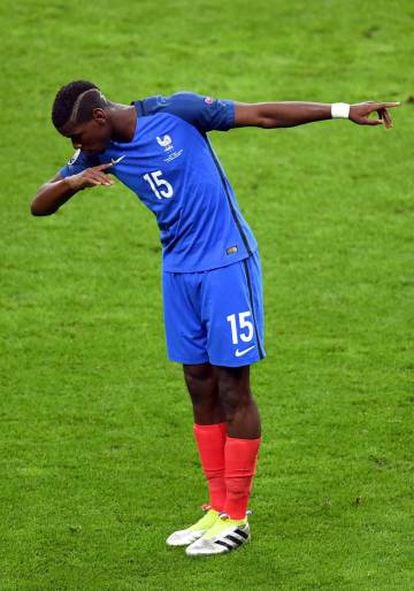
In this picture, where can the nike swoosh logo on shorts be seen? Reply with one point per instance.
(240, 353)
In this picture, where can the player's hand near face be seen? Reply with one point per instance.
(58, 190)
(359, 113)
(90, 177)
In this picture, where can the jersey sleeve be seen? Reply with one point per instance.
(77, 163)
(204, 112)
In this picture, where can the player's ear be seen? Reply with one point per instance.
(99, 116)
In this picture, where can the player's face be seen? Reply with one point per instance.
(91, 137)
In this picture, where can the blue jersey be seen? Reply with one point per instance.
(172, 168)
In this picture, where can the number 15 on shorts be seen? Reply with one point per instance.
(241, 327)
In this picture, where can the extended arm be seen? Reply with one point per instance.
(289, 114)
(54, 193)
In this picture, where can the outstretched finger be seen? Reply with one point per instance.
(389, 104)
(104, 166)
(99, 177)
(103, 179)
(95, 183)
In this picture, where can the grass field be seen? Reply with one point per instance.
(98, 463)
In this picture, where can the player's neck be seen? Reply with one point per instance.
(123, 121)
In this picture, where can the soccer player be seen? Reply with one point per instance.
(212, 286)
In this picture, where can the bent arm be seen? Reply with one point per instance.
(51, 195)
(60, 189)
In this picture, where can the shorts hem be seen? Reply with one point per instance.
(233, 363)
(188, 361)
(237, 362)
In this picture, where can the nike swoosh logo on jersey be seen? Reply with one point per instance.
(117, 161)
(240, 353)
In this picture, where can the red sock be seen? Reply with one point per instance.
(240, 463)
(210, 441)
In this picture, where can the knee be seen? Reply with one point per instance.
(234, 395)
(199, 380)
(202, 387)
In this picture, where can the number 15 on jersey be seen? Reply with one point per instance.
(159, 186)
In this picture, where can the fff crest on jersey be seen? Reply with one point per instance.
(165, 142)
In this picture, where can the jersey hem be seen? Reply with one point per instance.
(210, 267)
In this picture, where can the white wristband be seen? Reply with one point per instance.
(340, 110)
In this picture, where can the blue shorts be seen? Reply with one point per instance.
(215, 316)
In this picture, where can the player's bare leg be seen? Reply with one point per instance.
(232, 530)
(203, 388)
(241, 412)
(210, 434)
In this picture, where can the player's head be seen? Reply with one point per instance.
(80, 112)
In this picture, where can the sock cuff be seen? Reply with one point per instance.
(245, 442)
(221, 427)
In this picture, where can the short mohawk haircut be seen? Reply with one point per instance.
(75, 102)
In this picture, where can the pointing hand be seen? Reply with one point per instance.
(359, 113)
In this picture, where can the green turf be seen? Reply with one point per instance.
(98, 463)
